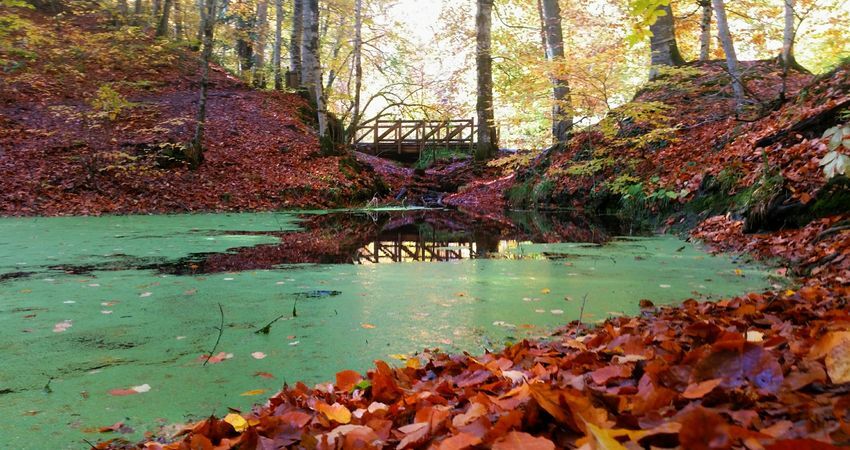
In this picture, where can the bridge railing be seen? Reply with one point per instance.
(413, 136)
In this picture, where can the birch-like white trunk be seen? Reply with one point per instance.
(311, 70)
(705, 31)
(562, 120)
(729, 49)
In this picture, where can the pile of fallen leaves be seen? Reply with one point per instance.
(767, 371)
(820, 250)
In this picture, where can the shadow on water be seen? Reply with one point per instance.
(376, 237)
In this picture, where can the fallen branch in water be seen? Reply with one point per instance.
(266, 329)
(218, 339)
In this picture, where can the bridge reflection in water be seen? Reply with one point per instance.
(397, 247)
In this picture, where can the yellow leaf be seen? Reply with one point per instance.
(414, 363)
(335, 412)
(367, 326)
(603, 438)
(252, 392)
(399, 356)
(238, 422)
(545, 291)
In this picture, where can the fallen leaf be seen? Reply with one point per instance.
(253, 392)
(700, 390)
(517, 440)
(335, 412)
(237, 421)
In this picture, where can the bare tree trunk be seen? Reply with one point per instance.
(665, 50)
(157, 4)
(294, 79)
(487, 139)
(137, 7)
(162, 28)
(787, 56)
(258, 74)
(705, 30)
(729, 49)
(278, 40)
(195, 150)
(562, 121)
(358, 67)
(311, 71)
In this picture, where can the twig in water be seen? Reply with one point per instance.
(581, 313)
(294, 312)
(218, 339)
(266, 329)
(47, 389)
(90, 444)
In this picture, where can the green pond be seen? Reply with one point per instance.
(95, 307)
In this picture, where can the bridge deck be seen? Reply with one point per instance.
(411, 137)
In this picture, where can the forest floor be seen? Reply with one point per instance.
(89, 114)
(761, 371)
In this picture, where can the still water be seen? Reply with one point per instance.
(95, 308)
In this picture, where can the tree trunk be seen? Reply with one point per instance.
(123, 8)
(258, 74)
(662, 44)
(195, 150)
(162, 28)
(340, 34)
(487, 140)
(137, 7)
(358, 67)
(729, 49)
(201, 14)
(244, 42)
(311, 70)
(294, 79)
(787, 56)
(157, 4)
(179, 27)
(278, 40)
(705, 31)
(562, 121)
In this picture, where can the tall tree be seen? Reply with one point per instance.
(705, 30)
(562, 121)
(311, 69)
(662, 43)
(195, 150)
(487, 139)
(729, 49)
(295, 42)
(179, 25)
(162, 27)
(258, 75)
(278, 41)
(244, 19)
(358, 66)
(788, 60)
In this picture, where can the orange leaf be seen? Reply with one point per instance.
(516, 440)
(700, 390)
(459, 442)
(346, 380)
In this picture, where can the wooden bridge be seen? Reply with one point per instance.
(411, 137)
